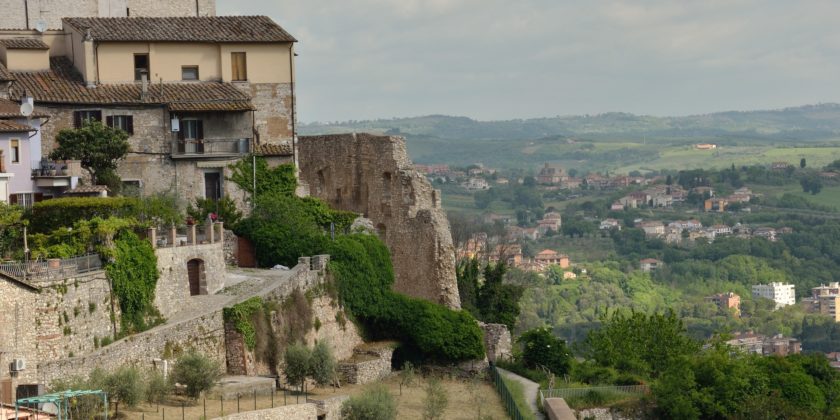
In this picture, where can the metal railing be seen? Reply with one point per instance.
(200, 147)
(567, 393)
(507, 398)
(51, 269)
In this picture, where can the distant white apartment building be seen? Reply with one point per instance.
(781, 293)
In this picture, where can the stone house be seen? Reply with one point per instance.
(194, 93)
(548, 257)
(727, 301)
(551, 175)
(608, 224)
(652, 228)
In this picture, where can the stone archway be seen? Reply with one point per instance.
(197, 277)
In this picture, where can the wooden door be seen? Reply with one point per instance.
(195, 273)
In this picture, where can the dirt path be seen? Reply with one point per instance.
(531, 389)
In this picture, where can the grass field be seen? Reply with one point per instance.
(686, 157)
(829, 196)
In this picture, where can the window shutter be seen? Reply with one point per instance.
(77, 119)
(199, 130)
(109, 121)
(96, 115)
(129, 122)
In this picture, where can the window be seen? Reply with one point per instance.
(239, 67)
(132, 188)
(80, 117)
(141, 65)
(189, 73)
(123, 122)
(15, 146)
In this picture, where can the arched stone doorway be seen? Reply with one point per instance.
(197, 277)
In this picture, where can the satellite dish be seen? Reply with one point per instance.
(26, 109)
(41, 25)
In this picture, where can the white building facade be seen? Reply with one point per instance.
(782, 293)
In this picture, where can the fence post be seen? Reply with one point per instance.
(205, 408)
(222, 399)
(255, 400)
(237, 402)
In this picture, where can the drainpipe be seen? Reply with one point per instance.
(292, 55)
(26, 12)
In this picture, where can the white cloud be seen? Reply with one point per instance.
(494, 59)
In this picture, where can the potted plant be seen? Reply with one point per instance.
(63, 169)
(52, 170)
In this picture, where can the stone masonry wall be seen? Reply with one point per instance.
(306, 411)
(173, 287)
(17, 330)
(51, 11)
(373, 176)
(274, 114)
(205, 334)
(367, 365)
(73, 316)
(497, 341)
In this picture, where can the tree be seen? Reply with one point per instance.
(802, 163)
(157, 387)
(529, 181)
(298, 360)
(97, 146)
(541, 348)
(435, 402)
(407, 375)
(498, 302)
(467, 273)
(323, 364)
(375, 403)
(812, 184)
(124, 386)
(197, 372)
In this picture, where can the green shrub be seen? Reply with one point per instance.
(157, 387)
(541, 348)
(323, 364)
(197, 372)
(435, 402)
(224, 208)
(64, 212)
(124, 386)
(133, 274)
(298, 360)
(375, 403)
(240, 315)
(280, 179)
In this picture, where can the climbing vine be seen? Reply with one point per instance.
(133, 273)
(240, 315)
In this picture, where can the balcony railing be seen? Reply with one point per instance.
(51, 269)
(196, 148)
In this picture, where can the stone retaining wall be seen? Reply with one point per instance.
(367, 365)
(289, 412)
(173, 286)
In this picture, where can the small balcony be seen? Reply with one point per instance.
(55, 174)
(210, 148)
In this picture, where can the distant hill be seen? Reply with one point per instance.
(456, 140)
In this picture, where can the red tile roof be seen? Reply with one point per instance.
(13, 127)
(24, 44)
(63, 85)
(282, 149)
(183, 29)
(10, 109)
(4, 73)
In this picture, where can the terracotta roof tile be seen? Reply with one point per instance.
(87, 189)
(7, 126)
(62, 84)
(24, 44)
(10, 109)
(282, 149)
(4, 73)
(183, 29)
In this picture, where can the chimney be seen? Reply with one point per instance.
(144, 83)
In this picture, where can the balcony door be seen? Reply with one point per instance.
(191, 137)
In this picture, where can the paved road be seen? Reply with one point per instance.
(530, 387)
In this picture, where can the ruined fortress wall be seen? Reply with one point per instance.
(372, 175)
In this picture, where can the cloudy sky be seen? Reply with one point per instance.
(503, 59)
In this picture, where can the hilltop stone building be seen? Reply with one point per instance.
(194, 93)
(47, 14)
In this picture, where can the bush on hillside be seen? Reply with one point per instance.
(133, 274)
(375, 403)
(197, 372)
(64, 212)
